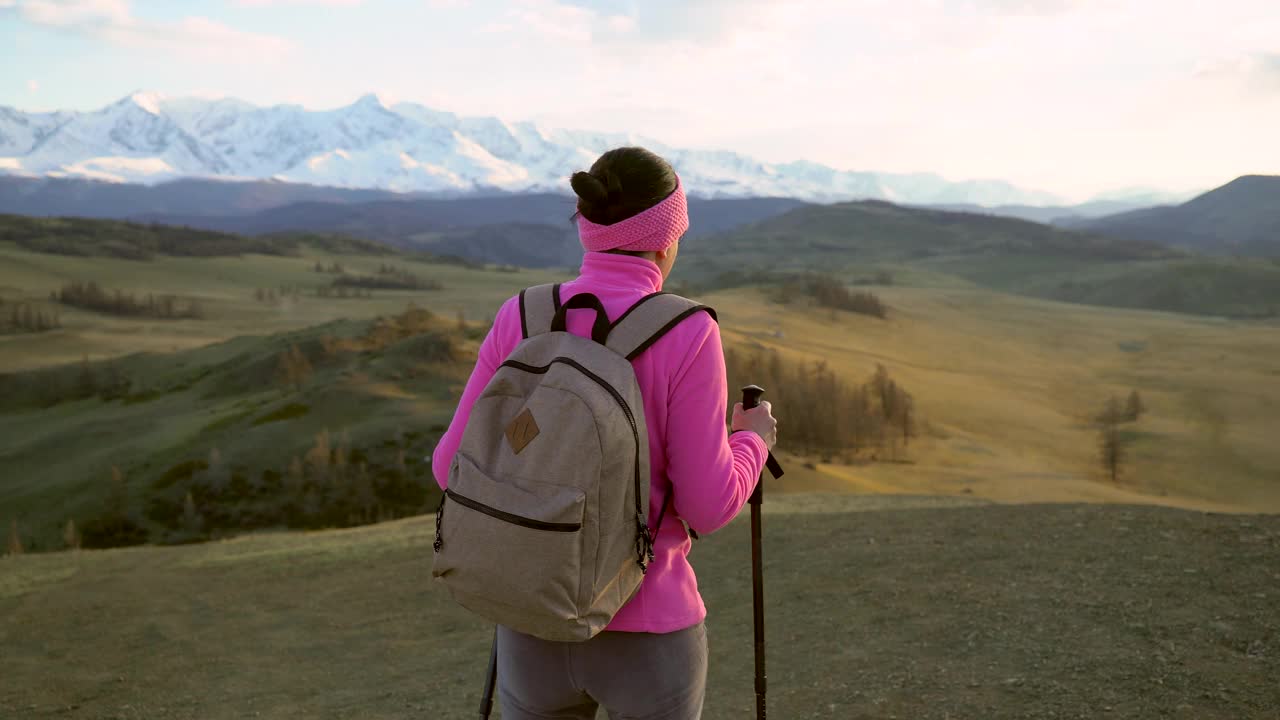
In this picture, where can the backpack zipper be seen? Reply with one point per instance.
(508, 517)
(644, 543)
(439, 543)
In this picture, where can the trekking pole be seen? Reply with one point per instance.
(486, 700)
(750, 398)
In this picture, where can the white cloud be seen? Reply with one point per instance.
(270, 3)
(33, 85)
(1252, 73)
(193, 37)
(1068, 95)
(554, 20)
(70, 13)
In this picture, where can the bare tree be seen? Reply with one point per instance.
(906, 417)
(1134, 408)
(1111, 443)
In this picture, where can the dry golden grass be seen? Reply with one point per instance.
(225, 287)
(1007, 387)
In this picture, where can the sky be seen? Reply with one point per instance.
(1074, 97)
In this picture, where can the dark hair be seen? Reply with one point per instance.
(623, 182)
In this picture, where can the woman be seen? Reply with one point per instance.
(651, 661)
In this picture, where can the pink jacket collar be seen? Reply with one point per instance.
(620, 271)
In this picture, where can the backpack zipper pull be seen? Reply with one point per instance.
(644, 545)
(439, 543)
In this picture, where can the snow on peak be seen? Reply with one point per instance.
(148, 100)
(372, 100)
(376, 143)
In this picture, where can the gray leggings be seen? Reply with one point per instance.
(635, 676)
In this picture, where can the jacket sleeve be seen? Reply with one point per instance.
(493, 351)
(712, 473)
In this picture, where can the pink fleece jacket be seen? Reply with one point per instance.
(682, 379)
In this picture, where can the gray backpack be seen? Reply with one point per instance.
(544, 527)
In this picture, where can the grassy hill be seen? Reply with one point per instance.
(196, 385)
(1006, 387)
(223, 424)
(226, 287)
(911, 609)
(940, 248)
(1009, 386)
(136, 241)
(1241, 217)
(1229, 287)
(874, 231)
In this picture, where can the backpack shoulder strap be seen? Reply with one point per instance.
(644, 323)
(538, 307)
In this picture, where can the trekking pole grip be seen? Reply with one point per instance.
(751, 398)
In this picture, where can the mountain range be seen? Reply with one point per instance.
(408, 148)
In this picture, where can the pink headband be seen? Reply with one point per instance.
(654, 229)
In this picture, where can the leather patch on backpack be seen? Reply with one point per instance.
(522, 431)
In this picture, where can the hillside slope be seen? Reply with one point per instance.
(1005, 386)
(1241, 217)
(852, 240)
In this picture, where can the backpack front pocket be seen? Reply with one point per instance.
(515, 541)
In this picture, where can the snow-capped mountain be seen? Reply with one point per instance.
(149, 138)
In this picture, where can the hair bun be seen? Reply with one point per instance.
(589, 189)
(622, 183)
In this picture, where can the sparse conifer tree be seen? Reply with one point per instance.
(1134, 408)
(366, 497)
(293, 369)
(86, 383)
(191, 521)
(70, 535)
(15, 540)
(296, 478)
(318, 457)
(117, 497)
